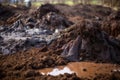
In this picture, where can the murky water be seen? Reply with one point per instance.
(82, 69)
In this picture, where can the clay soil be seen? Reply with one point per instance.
(26, 65)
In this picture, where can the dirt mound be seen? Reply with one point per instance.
(83, 41)
(54, 21)
(91, 44)
(85, 11)
(41, 58)
(46, 8)
(50, 17)
(111, 25)
(30, 32)
(33, 59)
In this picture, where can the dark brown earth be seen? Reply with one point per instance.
(111, 24)
(96, 45)
(11, 13)
(90, 23)
(85, 11)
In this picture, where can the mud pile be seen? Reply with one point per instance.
(18, 37)
(94, 12)
(46, 8)
(91, 44)
(51, 17)
(32, 59)
(22, 37)
(31, 32)
(111, 25)
(53, 40)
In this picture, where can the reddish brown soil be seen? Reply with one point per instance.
(24, 65)
(33, 59)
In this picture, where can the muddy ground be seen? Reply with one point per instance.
(89, 33)
(10, 13)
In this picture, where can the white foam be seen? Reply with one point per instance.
(56, 71)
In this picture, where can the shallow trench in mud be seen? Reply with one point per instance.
(82, 69)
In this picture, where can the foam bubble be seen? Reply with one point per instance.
(56, 71)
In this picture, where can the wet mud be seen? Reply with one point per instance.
(55, 35)
(91, 43)
(84, 69)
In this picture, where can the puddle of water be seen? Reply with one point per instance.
(82, 69)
